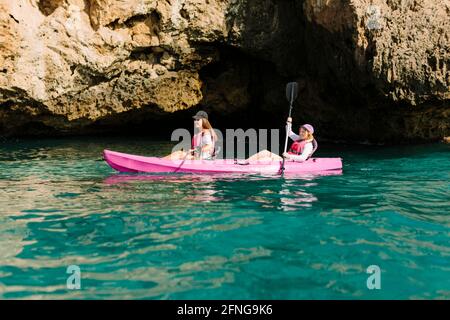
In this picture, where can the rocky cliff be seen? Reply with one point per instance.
(369, 70)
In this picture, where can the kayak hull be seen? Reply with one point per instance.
(123, 162)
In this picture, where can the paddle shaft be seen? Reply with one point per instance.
(287, 135)
(182, 162)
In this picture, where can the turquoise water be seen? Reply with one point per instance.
(202, 237)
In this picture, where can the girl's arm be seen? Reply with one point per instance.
(290, 133)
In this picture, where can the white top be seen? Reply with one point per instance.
(206, 139)
(307, 150)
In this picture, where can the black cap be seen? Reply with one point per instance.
(201, 115)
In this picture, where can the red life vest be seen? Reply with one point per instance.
(297, 147)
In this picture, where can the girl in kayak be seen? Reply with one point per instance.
(301, 150)
(203, 142)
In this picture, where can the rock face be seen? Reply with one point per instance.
(393, 57)
(369, 70)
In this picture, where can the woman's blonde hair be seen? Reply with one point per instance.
(309, 135)
(207, 125)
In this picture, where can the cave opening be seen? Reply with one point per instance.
(239, 91)
(243, 91)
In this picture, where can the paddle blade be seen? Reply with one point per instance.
(291, 91)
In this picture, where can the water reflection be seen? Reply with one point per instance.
(195, 188)
(297, 200)
(286, 193)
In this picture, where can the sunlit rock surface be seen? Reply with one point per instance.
(376, 71)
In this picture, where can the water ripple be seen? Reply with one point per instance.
(249, 237)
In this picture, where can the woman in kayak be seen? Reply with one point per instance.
(301, 150)
(203, 142)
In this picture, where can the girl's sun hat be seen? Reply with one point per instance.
(308, 127)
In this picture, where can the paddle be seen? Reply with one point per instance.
(182, 162)
(291, 95)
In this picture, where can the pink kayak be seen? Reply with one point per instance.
(123, 162)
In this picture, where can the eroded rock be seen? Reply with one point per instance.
(369, 69)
